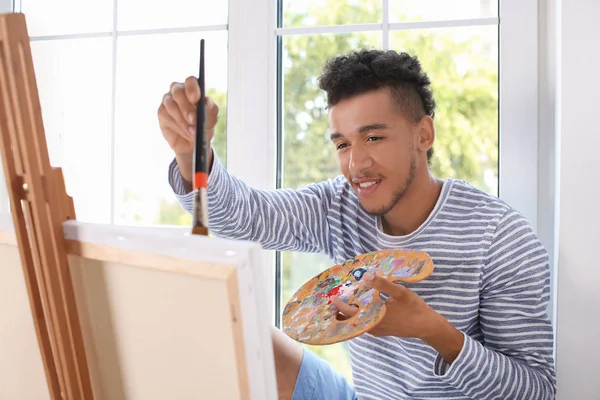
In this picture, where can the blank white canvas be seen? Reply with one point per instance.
(157, 323)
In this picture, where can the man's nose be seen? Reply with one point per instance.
(360, 159)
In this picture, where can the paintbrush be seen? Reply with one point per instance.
(200, 212)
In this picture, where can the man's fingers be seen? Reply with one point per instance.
(175, 117)
(344, 308)
(171, 131)
(383, 285)
(187, 109)
(192, 90)
(212, 109)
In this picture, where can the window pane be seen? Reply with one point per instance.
(437, 10)
(309, 155)
(297, 13)
(154, 14)
(144, 74)
(462, 64)
(58, 17)
(74, 84)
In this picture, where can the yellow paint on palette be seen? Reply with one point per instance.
(310, 317)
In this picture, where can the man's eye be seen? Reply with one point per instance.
(340, 146)
(374, 138)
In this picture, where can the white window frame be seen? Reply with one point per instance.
(251, 103)
(548, 142)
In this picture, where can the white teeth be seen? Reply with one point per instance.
(366, 184)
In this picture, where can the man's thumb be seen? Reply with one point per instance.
(382, 284)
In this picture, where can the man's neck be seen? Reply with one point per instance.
(414, 207)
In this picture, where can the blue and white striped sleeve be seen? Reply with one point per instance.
(516, 359)
(283, 219)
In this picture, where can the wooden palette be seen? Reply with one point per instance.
(310, 317)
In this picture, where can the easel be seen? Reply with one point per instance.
(39, 205)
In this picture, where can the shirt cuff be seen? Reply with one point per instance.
(181, 189)
(451, 373)
(176, 180)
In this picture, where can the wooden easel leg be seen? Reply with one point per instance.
(40, 205)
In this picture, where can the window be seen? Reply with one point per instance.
(101, 76)
(457, 44)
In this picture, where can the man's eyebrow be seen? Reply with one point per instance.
(363, 129)
(372, 127)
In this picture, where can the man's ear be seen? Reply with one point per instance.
(425, 133)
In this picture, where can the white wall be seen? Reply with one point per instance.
(578, 70)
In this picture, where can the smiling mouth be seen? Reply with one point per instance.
(367, 187)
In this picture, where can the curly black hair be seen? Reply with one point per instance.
(363, 71)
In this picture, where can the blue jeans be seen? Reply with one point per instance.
(317, 380)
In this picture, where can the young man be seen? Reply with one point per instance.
(476, 328)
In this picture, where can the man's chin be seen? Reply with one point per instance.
(375, 210)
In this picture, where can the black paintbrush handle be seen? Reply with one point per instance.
(201, 150)
(200, 212)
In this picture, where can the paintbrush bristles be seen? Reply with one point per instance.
(200, 230)
(200, 212)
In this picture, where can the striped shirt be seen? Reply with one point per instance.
(491, 281)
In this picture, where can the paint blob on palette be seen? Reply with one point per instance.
(310, 317)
